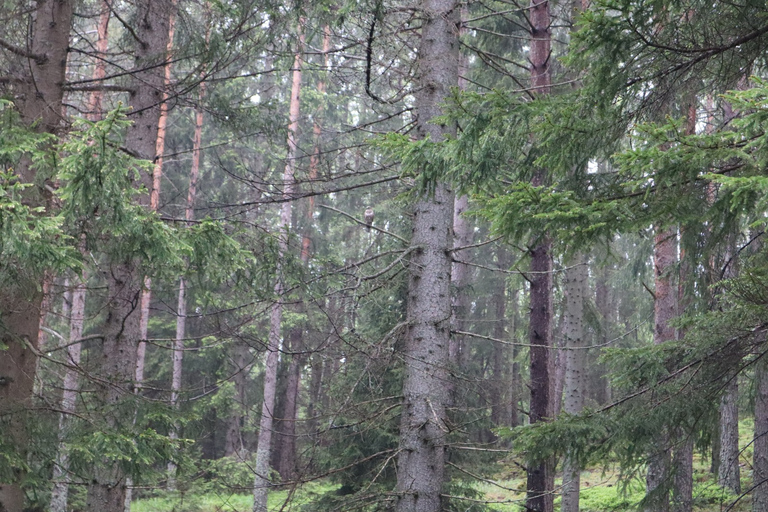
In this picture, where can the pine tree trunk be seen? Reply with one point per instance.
(760, 460)
(426, 383)
(541, 478)
(665, 306)
(500, 397)
(682, 495)
(108, 489)
(264, 449)
(234, 443)
(575, 370)
(728, 474)
(20, 303)
(69, 395)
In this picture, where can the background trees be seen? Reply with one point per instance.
(606, 261)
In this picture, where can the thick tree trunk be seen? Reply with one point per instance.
(682, 495)
(107, 492)
(540, 484)
(760, 461)
(728, 474)
(575, 370)
(39, 101)
(426, 383)
(264, 449)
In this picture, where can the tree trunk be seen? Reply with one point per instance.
(665, 306)
(107, 491)
(263, 452)
(541, 479)
(500, 398)
(760, 461)
(728, 474)
(40, 102)
(234, 443)
(575, 370)
(682, 495)
(181, 308)
(70, 385)
(426, 382)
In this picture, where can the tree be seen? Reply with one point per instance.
(424, 423)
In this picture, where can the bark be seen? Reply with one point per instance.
(100, 66)
(665, 307)
(515, 381)
(234, 443)
(462, 236)
(575, 370)
(181, 308)
(107, 491)
(540, 481)
(682, 495)
(39, 101)
(728, 474)
(426, 386)
(69, 395)
(500, 398)
(760, 461)
(263, 452)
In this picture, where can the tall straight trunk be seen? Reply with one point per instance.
(728, 474)
(682, 492)
(500, 397)
(515, 381)
(107, 491)
(76, 316)
(664, 306)
(575, 369)
(541, 478)
(264, 448)
(40, 102)
(69, 395)
(181, 304)
(760, 461)
(234, 443)
(426, 385)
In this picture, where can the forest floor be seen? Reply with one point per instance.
(601, 491)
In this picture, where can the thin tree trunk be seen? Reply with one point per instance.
(500, 398)
(263, 451)
(541, 479)
(760, 460)
(682, 495)
(20, 302)
(181, 308)
(234, 443)
(575, 370)
(665, 306)
(69, 395)
(426, 386)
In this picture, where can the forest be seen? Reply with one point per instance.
(383, 255)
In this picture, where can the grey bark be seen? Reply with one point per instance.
(575, 370)
(682, 493)
(760, 461)
(728, 474)
(39, 100)
(264, 449)
(107, 491)
(426, 383)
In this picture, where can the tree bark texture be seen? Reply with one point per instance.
(264, 448)
(69, 395)
(682, 493)
(665, 309)
(501, 403)
(728, 474)
(426, 385)
(107, 491)
(540, 480)
(575, 369)
(760, 460)
(39, 100)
